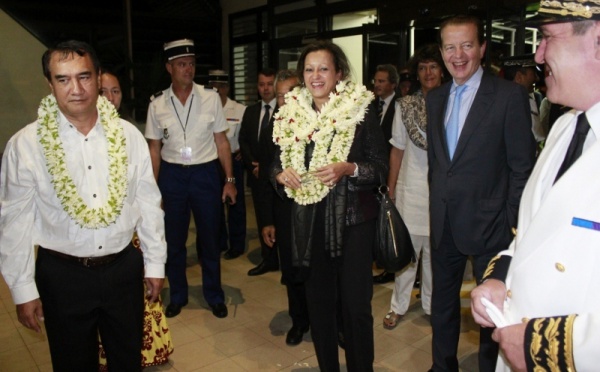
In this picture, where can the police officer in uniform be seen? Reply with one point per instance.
(186, 132)
(235, 232)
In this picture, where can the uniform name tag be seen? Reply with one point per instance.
(586, 224)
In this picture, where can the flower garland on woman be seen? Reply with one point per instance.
(332, 130)
(66, 191)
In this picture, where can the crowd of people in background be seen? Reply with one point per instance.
(481, 168)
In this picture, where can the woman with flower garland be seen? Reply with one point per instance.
(332, 157)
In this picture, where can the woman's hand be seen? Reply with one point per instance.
(332, 173)
(289, 178)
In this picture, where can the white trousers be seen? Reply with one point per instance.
(403, 283)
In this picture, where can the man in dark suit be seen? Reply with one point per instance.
(385, 83)
(256, 119)
(481, 152)
(277, 218)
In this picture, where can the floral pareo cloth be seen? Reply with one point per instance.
(157, 342)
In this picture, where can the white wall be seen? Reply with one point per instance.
(22, 82)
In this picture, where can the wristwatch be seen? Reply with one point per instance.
(230, 179)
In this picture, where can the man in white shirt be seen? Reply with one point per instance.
(523, 71)
(77, 182)
(546, 285)
(186, 129)
(234, 232)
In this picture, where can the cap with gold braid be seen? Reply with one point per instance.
(554, 11)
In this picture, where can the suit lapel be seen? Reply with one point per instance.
(438, 121)
(479, 109)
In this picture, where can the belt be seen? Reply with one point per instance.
(88, 261)
(178, 165)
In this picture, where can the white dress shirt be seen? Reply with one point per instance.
(234, 112)
(31, 213)
(167, 119)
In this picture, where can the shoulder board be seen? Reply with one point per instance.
(155, 95)
(210, 88)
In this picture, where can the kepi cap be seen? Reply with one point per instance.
(552, 11)
(218, 76)
(405, 76)
(179, 48)
(526, 60)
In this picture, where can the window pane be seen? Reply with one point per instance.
(297, 28)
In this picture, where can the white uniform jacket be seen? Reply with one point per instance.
(552, 277)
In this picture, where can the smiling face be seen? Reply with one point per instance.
(461, 51)
(111, 89)
(320, 75)
(570, 60)
(75, 84)
(430, 75)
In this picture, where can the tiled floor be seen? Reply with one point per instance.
(252, 337)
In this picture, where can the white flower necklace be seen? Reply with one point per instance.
(66, 191)
(332, 130)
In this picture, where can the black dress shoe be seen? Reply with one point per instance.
(229, 255)
(384, 277)
(295, 334)
(173, 310)
(262, 268)
(219, 310)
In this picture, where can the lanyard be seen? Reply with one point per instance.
(186, 119)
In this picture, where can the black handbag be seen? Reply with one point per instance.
(393, 247)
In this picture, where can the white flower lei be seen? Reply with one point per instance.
(65, 188)
(332, 130)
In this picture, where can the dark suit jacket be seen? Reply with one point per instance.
(480, 189)
(248, 139)
(388, 119)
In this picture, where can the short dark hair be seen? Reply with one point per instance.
(268, 71)
(510, 72)
(393, 76)
(463, 19)
(67, 49)
(426, 53)
(340, 60)
(581, 27)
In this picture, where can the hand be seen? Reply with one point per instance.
(255, 170)
(289, 178)
(268, 235)
(511, 340)
(29, 313)
(153, 287)
(230, 191)
(495, 291)
(332, 173)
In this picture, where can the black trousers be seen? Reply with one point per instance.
(448, 266)
(348, 278)
(80, 302)
(289, 274)
(269, 256)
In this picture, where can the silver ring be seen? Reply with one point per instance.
(285, 179)
(331, 183)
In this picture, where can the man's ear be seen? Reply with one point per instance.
(51, 87)
(596, 35)
(168, 67)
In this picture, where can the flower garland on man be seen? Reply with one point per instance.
(332, 130)
(66, 191)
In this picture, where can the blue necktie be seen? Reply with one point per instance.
(453, 122)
